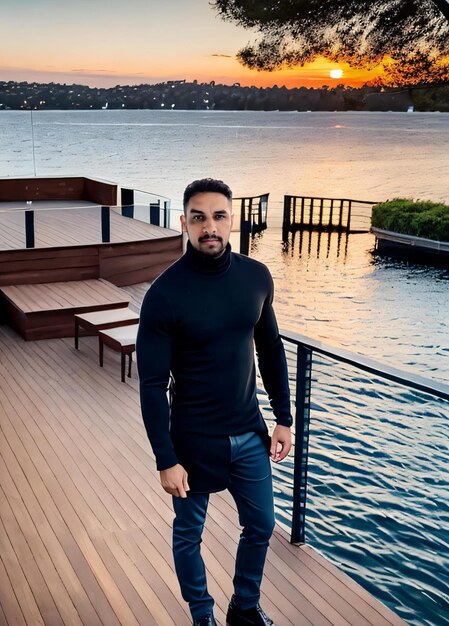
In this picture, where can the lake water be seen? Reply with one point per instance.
(378, 489)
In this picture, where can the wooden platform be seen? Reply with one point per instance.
(85, 526)
(44, 311)
(73, 227)
(69, 247)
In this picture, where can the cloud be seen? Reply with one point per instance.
(223, 56)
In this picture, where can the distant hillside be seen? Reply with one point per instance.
(209, 96)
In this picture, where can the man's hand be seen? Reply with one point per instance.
(281, 442)
(174, 481)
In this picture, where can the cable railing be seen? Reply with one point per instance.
(301, 350)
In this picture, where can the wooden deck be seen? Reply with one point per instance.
(68, 245)
(85, 526)
(73, 227)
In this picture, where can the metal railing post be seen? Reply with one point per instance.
(105, 224)
(302, 421)
(29, 229)
(331, 210)
(245, 229)
(340, 218)
(348, 225)
(286, 219)
(312, 207)
(166, 213)
(127, 200)
(155, 208)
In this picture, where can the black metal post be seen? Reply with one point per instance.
(348, 226)
(128, 202)
(29, 229)
(286, 219)
(321, 212)
(251, 217)
(105, 224)
(155, 208)
(340, 219)
(331, 210)
(166, 214)
(302, 421)
(311, 213)
(245, 229)
(264, 209)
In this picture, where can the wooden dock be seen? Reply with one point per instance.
(86, 528)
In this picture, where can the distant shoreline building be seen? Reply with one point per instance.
(183, 95)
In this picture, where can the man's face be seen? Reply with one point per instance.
(208, 222)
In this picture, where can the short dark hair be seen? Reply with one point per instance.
(206, 184)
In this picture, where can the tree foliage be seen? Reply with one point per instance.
(362, 33)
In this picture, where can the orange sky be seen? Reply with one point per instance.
(109, 42)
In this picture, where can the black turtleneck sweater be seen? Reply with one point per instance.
(199, 321)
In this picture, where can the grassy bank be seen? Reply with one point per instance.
(418, 218)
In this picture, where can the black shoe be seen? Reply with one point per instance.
(247, 617)
(206, 620)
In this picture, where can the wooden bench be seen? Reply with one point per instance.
(101, 320)
(123, 340)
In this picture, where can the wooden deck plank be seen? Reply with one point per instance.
(139, 606)
(152, 594)
(80, 437)
(24, 554)
(19, 581)
(8, 601)
(71, 469)
(83, 449)
(60, 503)
(63, 295)
(43, 513)
(3, 621)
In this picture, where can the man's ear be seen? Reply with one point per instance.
(183, 223)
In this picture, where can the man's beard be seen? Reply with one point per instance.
(214, 252)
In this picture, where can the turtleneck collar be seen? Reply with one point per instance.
(208, 264)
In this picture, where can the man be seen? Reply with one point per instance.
(199, 322)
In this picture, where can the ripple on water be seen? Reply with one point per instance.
(378, 495)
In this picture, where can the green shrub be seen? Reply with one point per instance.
(420, 219)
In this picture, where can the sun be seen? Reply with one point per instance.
(336, 73)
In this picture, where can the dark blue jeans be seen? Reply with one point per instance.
(252, 489)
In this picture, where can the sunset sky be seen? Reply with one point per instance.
(108, 42)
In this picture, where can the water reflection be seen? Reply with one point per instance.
(330, 285)
(330, 244)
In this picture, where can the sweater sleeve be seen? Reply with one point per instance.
(153, 351)
(272, 362)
